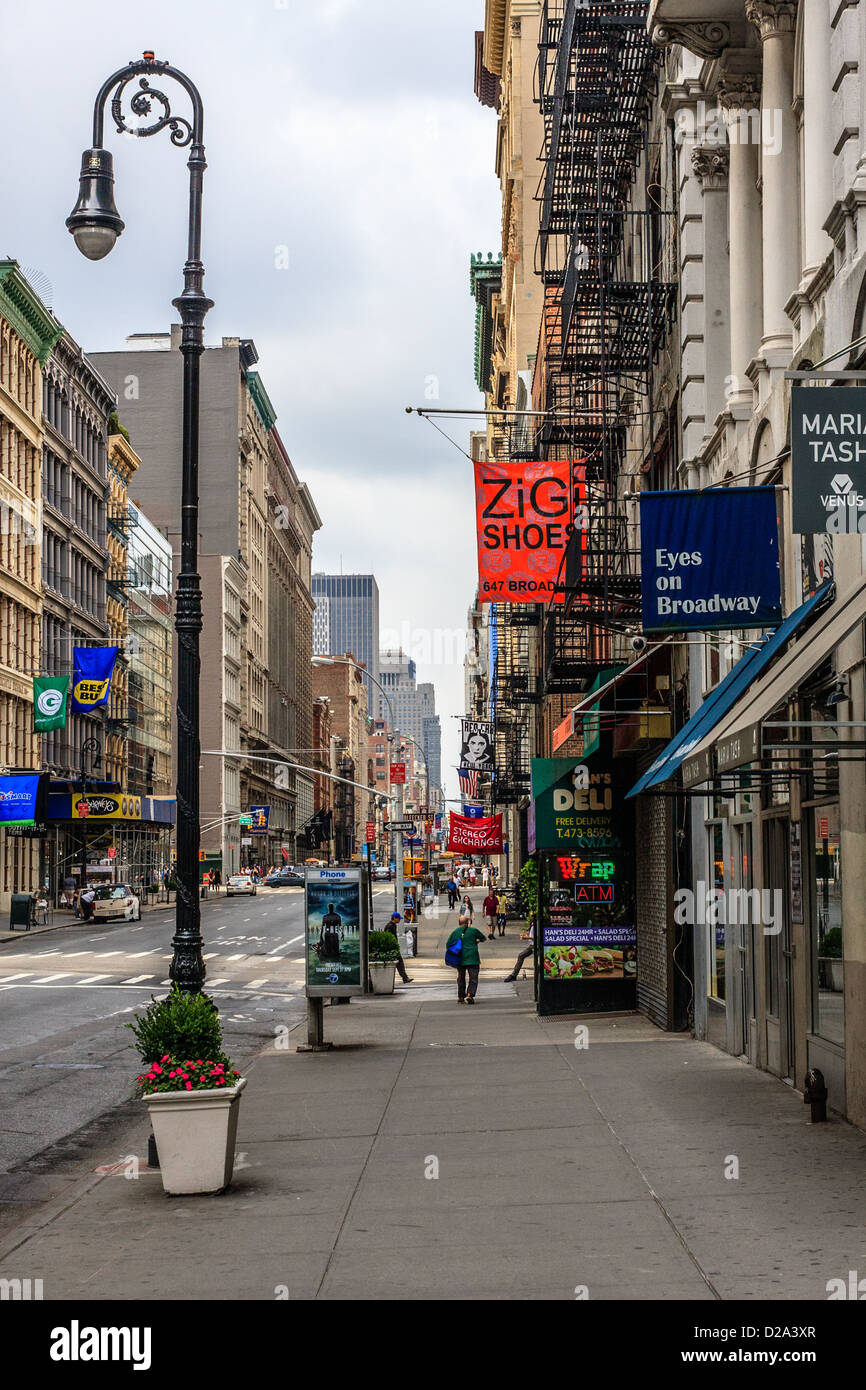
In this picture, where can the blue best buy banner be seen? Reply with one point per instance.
(709, 560)
(91, 681)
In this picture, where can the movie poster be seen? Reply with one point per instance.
(336, 945)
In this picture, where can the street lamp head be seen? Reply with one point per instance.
(323, 661)
(94, 221)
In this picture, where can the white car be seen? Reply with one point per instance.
(116, 900)
(240, 883)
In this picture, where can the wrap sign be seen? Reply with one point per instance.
(709, 560)
(91, 682)
(525, 513)
(483, 835)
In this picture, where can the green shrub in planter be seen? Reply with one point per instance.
(383, 946)
(181, 1025)
(831, 946)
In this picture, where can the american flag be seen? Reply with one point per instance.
(468, 779)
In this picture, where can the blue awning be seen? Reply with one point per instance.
(725, 695)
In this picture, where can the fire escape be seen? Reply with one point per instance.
(602, 256)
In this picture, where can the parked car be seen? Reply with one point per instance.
(381, 874)
(116, 900)
(240, 883)
(286, 877)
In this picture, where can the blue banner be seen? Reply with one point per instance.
(260, 817)
(91, 681)
(18, 799)
(709, 560)
(474, 812)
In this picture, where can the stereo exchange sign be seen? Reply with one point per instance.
(828, 459)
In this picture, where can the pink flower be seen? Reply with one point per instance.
(166, 1057)
(189, 1085)
(156, 1070)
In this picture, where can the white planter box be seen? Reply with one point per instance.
(195, 1134)
(382, 974)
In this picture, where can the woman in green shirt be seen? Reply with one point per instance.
(467, 971)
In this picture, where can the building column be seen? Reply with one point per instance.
(739, 98)
(817, 200)
(710, 164)
(775, 21)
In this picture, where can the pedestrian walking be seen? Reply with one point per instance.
(485, 876)
(470, 961)
(490, 907)
(523, 955)
(472, 875)
(391, 927)
(451, 888)
(466, 908)
(501, 912)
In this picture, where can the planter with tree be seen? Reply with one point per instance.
(191, 1090)
(383, 951)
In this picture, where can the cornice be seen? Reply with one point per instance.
(35, 325)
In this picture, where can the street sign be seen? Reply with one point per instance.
(397, 827)
(398, 773)
(245, 822)
(371, 832)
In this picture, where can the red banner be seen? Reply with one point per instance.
(475, 836)
(525, 513)
(398, 773)
(371, 832)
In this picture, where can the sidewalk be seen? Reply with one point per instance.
(444, 1152)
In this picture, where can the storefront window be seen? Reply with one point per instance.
(716, 928)
(827, 965)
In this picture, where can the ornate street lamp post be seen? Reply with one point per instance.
(95, 224)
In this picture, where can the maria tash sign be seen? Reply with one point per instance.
(828, 459)
(525, 514)
(709, 559)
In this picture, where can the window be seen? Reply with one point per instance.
(828, 969)
(716, 929)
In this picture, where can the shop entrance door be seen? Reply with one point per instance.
(778, 954)
(744, 935)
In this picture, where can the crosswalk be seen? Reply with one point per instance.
(30, 979)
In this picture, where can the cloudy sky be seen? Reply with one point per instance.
(344, 137)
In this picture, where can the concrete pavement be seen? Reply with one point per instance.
(440, 1152)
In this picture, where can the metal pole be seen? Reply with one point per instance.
(187, 967)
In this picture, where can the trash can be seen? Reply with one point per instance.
(21, 912)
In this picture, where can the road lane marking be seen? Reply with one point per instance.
(256, 984)
(92, 979)
(136, 979)
(223, 980)
(49, 979)
(103, 955)
(242, 957)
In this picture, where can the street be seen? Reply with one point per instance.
(66, 1058)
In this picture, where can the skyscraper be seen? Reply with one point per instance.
(415, 708)
(346, 619)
